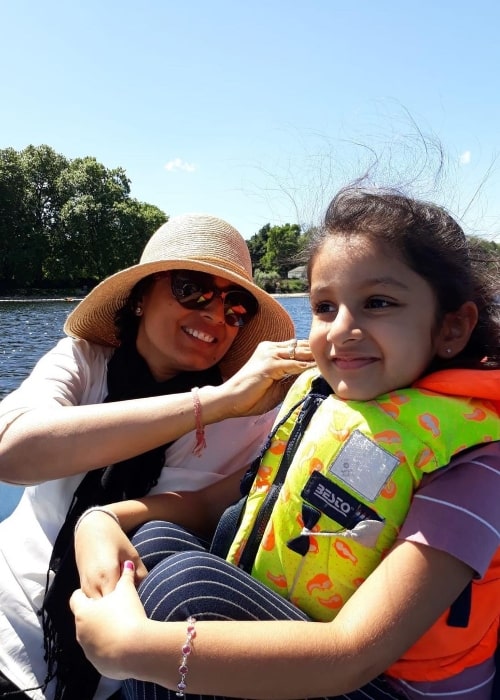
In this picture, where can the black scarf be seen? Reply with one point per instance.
(129, 377)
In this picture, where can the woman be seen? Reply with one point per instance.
(109, 407)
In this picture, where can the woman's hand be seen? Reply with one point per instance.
(258, 385)
(101, 548)
(106, 627)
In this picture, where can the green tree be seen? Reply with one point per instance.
(13, 212)
(103, 229)
(137, 221)
(43, 168)
(283, 245)
(64, 221)
(267, 280)
(87, 238)
(257, 245)
(29, 209)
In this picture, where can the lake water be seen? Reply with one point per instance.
(31, 328)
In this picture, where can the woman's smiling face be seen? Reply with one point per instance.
(374, 319)
(173, 339)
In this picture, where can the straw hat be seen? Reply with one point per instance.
(191, 242)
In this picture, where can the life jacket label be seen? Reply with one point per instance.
(336, 503)
(363, 465)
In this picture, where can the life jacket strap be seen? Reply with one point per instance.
(230, 520)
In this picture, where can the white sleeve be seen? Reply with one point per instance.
(72, 373)
(231, 444)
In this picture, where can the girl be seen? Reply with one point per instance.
(374, 573)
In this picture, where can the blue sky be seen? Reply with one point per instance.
(257, 112)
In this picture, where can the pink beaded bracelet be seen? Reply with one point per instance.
(200, 430)
(186, 650)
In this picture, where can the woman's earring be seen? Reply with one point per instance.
(138, 310)
(448, 350)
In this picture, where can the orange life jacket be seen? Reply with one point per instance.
(459, 647)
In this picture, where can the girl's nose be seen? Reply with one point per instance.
(344, 327)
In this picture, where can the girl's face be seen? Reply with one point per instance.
(173, 339)
(374, 319)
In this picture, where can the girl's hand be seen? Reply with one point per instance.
(104, 625)
(101, 548)
(259, 385)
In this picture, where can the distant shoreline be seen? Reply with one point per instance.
(27, 300)
(278, 295)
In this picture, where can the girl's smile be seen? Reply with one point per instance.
(351, 363)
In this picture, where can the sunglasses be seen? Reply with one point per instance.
(196, 290)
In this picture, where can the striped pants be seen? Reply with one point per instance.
(184, 579)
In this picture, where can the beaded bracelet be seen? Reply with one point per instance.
(186, 650)
(201, 443)
(92, 510)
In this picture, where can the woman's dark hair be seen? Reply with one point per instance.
(433, 245)
(126, 319)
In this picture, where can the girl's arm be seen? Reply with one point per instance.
(197, 511)
(102, 546)
(407, 592)
(55, 441)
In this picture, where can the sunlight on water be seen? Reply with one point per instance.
(29, 329)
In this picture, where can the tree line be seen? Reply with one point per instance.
(68, 223)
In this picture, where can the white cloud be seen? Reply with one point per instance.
(179, 164)
(464, 158)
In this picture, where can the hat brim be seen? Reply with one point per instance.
(93, 318)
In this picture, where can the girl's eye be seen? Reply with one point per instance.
(323, 307)
(377, 303)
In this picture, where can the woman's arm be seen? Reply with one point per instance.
(197, 511)
(386, 615)
(102, 546)
(54, 441)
